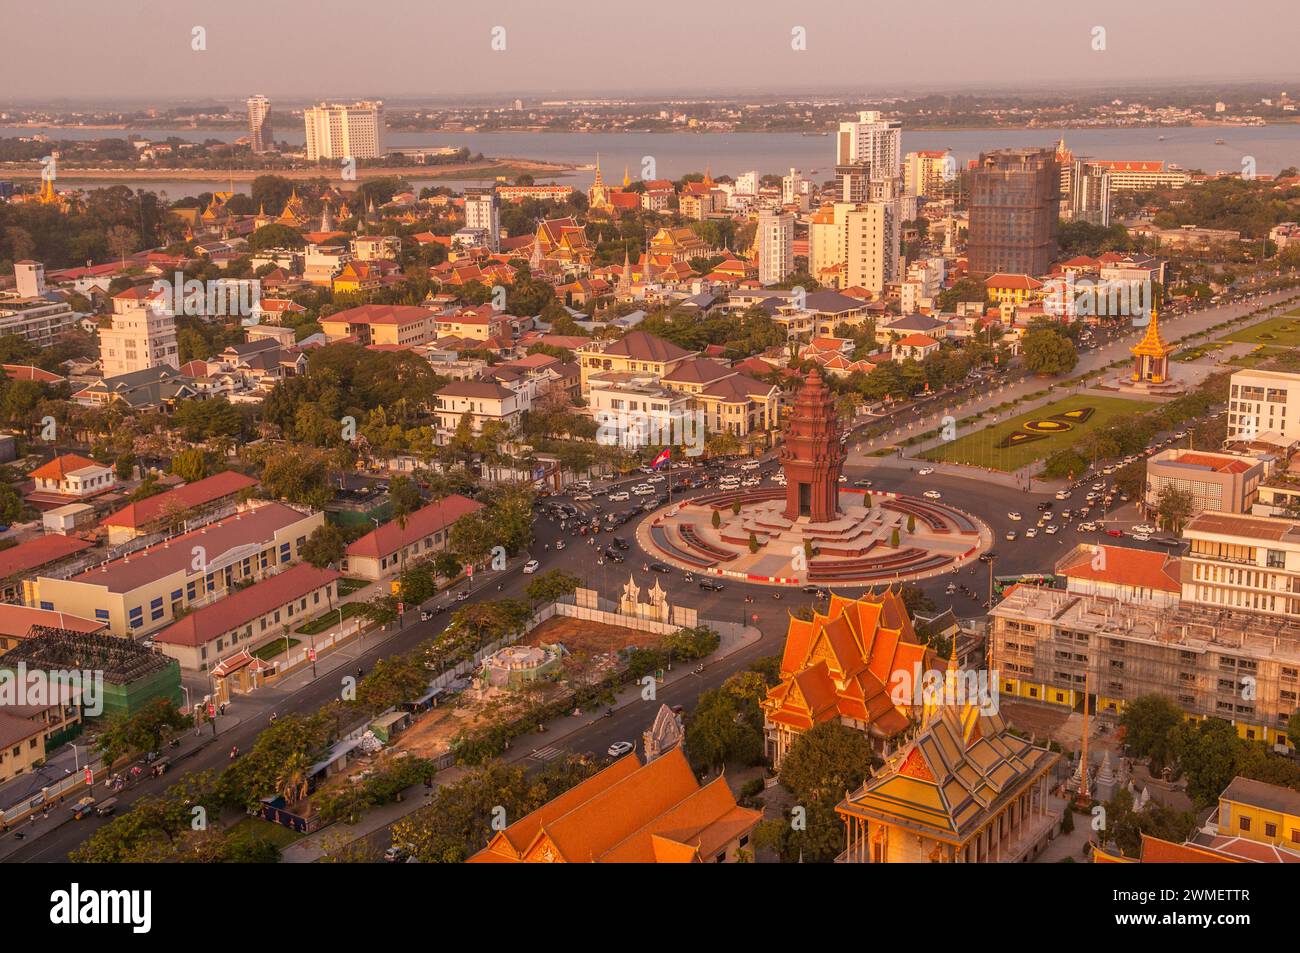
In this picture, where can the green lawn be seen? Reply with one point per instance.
(331, 618)
(980, 448)
(1278, 332)
(273, 648)
(257, 828)
(348, 585)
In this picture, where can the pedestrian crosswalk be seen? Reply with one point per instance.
(549, 753)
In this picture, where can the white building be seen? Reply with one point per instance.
(871, 140)
(634, 411)
(142, 333)
(1264, 407)
(775, 241)
(484, 401)
(483, 213)
(336, 131)
(795, 189)
(1243, 562)
(259, 126)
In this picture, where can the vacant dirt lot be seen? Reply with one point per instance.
(581, 637)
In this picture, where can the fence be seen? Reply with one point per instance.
(52, 793)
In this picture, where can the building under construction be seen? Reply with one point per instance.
(132, 674)
(1241, 667)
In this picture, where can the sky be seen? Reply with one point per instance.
(92, 50)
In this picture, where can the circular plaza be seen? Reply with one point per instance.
(813, 529)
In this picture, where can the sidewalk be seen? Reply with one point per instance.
(39, 823)
(314, 846)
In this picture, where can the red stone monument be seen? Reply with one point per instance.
(811, 453)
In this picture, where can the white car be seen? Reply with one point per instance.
(531, 567)
(1144, 528)
(925, 471)
(581, 496)
(1014, 517)
(622, 496)
(1142, 537)
(619, 748)
(1012, 535)
(751, 465)
(1031, 532)
(1062, 494)
(932, 495)
(752, 481)
(657, 478)
(1050, 529)
(643, 489)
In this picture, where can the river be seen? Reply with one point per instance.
(1273, 148)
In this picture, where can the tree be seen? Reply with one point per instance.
(122, 241)
(1210, 754)
(692, 643)
(190, 464)
(143, 731)
(416, 583)
(1048, 352)
(1174, 507)
(325, 546)
(1148, 722)
(717, 732)
(550, 586)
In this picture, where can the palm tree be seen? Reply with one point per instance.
(292, 778)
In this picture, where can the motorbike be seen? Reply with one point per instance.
(609, 713)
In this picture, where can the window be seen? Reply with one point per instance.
(101, 613)
(1244, 823)
(1270, 830)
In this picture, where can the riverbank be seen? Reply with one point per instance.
(491, 169)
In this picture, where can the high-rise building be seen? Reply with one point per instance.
(855, 244)
(795, 189)
(1264, 407)
(142, 333)
(872, 140)
(336, 131)
(924, 173)
(483, 213)
(775, 246)
(1089, 195)
(1015, 204)
(259, 124)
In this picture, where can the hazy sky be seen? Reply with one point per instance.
(92, 49)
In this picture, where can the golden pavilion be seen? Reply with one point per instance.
(1151, 354)
(963, 790)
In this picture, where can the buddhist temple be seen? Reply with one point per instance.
(964, 790)
(631, 813)
(838, 667)
(295, 212)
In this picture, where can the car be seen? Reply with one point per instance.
(600, 491)
(619, 748)
(622, 496)
(580, 497)
(643, 489)
(1044, 506)
(1051, 529)
(1031, 532)
(613, 555)
(1141, 537)
(1062, 494)
(1014, 517)
(531, 567)
(1099, 486)
(843, 478)
(657, 478)
(1012, 535)
(1144, 528)
(708, 585)
(925, 471)
(660, 567)
(1089, 526)
(750, 465)
(620, 542)
(862, 483)
(1117, 533)
(933, 495)
(988, 557)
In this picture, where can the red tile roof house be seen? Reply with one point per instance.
(250, 618)
(383, 552)
(16, 562)
(70, 478)
(153, 513)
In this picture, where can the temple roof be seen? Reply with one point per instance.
(1152, 344)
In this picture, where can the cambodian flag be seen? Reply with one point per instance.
(661, 459)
